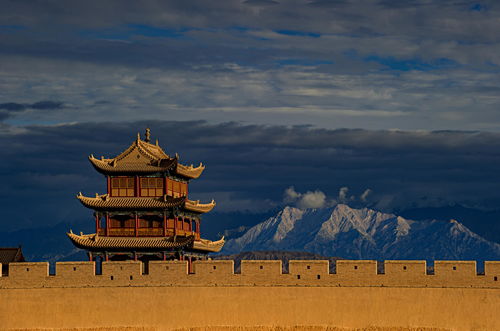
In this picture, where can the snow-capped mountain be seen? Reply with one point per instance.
(363, 234)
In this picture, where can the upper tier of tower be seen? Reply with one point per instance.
(142, 157)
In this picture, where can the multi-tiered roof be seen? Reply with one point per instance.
(145, 185)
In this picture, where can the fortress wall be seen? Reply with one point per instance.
(75, 269)
(29, 270)
(166, 308)
(253, 273)
(492, 273)
(71, 273)
(308, 270)
(214, 272)
(167, 273)
(213, 268)
(492, 268)
(353, 272)
(455, 272)
(32, 274)
(261, 272)
(405, 273)
(121, 273)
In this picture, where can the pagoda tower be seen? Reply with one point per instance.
(146, 213)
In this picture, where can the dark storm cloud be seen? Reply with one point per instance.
(371, 64)
(9, 108)
(260, 2)
(12, 106)
(42, 105)
(250, 166)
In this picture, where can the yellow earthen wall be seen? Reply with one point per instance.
(166, 308)
(168, 296)
(492, 270)
(253, 273)
(308, 271)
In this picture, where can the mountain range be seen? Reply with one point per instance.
(364, 233)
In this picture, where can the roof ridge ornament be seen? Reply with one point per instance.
(147, 135)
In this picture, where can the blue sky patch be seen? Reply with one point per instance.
(127, 32)
(296, 33)
(478, 7)
(411, 64)
(11, 28)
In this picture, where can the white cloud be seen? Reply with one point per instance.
(365, 194)
(310, 199)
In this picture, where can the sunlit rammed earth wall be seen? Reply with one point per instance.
(356, 296)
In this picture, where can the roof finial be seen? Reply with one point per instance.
(147, 135)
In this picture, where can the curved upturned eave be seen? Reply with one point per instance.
(105, 167)
(104, 202)
(198, 207)
(208, 245)
(189, 171)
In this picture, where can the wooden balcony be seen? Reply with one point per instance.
(146, 232)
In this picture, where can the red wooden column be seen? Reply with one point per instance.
(165, 187)
(175, 225)
(107, 224)
(164, 256)
(164, 223)
(136, 225)
(190, 265)
(97, 223)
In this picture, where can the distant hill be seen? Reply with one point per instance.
(363, 234)
(44, 244)
(485, 223)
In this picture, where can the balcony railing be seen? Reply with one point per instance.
(145, 232)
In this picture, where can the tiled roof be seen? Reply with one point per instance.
(93, 242)
(11, 254)
(108, 166)
(106, 202)
(143, 157)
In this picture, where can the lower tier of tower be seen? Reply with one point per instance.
(173, 245)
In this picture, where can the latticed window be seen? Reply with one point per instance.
(122, 186)
(176, 188)
(151, 186)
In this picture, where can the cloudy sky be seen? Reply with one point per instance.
(391, 104)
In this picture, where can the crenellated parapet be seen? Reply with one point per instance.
(302, 273)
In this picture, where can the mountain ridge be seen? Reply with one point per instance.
(363, 234)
